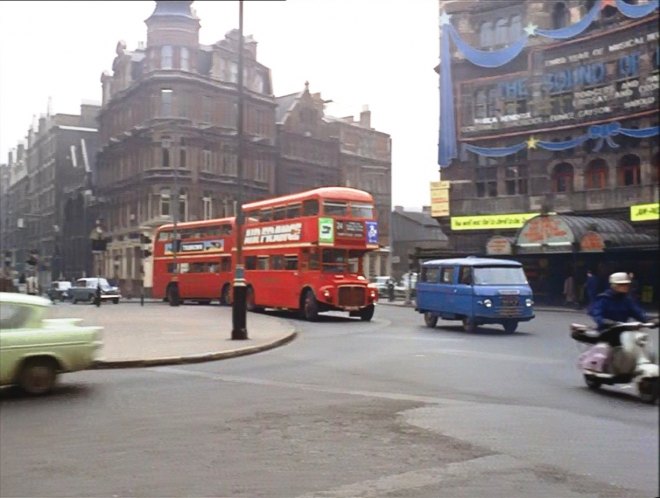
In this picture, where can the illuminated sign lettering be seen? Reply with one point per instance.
(488, 222)
(644, 212)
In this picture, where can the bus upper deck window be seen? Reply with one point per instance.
(279, 213)
(293, 211)
(266, 214)
(335, 208)
(362, 210)
(310, 207)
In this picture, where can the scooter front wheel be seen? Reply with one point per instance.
(592, 382)
(648, 390)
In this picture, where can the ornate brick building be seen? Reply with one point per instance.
(567, 125)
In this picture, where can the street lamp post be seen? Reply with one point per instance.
(239, 309)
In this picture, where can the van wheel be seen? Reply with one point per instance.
(510, 326)
(74, 300)
(430, 319)
(38, 375)
(366, 314)
(310, 309)
(592, 382)
(469, 325)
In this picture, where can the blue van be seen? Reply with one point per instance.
(476, 291)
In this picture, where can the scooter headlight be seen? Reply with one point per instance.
(529, 302)
(488, 303)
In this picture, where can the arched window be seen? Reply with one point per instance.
(185, 59)
(166, 57)
(596, 174)
(486, 34)
(562, 178)
(501, 32)
(165, 202)
(560, 16)
(629, 170)
(515, 29)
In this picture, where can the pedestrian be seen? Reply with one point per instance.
(592, 288)
(569, 291)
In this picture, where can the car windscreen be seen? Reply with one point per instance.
(499, 275)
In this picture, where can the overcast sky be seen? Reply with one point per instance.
(379, 53)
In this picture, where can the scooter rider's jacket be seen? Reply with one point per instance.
(617, 307)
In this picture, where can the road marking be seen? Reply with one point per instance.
(415, 479)
(305, 387)
(498, 356)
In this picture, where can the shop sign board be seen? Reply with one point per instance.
(491, 221)
(440, 198)
(644, 212)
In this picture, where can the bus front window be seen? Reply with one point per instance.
(334, 260)
(362, 210)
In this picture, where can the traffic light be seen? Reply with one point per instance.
(146, 253)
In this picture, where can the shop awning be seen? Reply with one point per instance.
(568, 233)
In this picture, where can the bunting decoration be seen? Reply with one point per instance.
(447, 144)
(602, 133)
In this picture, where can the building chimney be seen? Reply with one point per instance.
(398, 209)
(365, 117)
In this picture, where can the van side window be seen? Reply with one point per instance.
(431, 275)
(465, 276)
(447, 275)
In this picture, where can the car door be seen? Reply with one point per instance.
(464, 292)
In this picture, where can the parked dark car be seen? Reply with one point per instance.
(85, 290)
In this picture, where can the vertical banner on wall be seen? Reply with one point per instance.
(440, 198)
(326, 231)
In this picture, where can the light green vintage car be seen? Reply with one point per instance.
(34, 350)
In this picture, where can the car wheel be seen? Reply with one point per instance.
(38, 375)
(430, 319)
(366, 314)
(510, 326)
(116, 300)
(469, 325)
(310, 307)
(74, 300)
(91, 298)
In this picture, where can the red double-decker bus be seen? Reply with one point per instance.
(305, 252)
(194, 262)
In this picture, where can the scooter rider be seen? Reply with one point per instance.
(615, 304)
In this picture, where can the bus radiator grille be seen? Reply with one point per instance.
(351, 296)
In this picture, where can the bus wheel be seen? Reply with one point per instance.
(310, 309)
(173, 295)
(249, 301)
(366, 314)
(225, 295)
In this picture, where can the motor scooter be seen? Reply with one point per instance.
(618, 355)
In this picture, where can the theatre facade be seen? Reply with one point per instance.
(556, 149)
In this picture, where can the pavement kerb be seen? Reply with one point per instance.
(195, 358)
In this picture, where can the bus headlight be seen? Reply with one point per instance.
(488, 303)
(529, 302)
(327, 295)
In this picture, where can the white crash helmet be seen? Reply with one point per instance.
(619, 277)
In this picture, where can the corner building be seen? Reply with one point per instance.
(601, 188)
(168, 136)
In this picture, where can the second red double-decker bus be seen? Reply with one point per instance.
(194, 261)
(305, 252)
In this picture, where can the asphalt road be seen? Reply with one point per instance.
(349, 409)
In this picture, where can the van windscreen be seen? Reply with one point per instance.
(499, 275)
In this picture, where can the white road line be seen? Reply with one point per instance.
(375, 488)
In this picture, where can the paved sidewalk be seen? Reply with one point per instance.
(158, 334)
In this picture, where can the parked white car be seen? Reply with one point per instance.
(86, 288)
